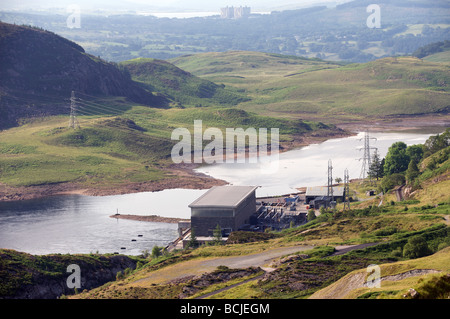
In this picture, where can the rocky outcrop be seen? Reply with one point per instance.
(222, 274)
(26, 276)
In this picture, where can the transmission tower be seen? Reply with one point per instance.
(73, 122)
(346, 190)
(366, 158)
(330, 182)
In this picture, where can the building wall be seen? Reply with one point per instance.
(204, 226)
(244, 211)
(204, 220)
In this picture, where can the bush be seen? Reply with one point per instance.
(156, 251)
(386, 231)
(390, 181)
(397, 253)
(311, 215)
(416, 247)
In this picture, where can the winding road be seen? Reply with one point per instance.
(199, 266)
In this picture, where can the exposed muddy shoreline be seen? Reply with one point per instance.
(150, 218)
(184, 175)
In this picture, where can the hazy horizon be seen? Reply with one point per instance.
(100, 6)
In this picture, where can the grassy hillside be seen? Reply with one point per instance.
(132, 147)
(396, 280)
(27, 276)
(181, 86)
(439, 57)
(39, 70)
(295, 87)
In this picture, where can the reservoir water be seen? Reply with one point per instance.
(81, 224)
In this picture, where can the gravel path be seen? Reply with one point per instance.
(199, 266)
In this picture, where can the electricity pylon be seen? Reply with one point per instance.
(73, 122)
(346, 190)
(330, 182)
(366, 158)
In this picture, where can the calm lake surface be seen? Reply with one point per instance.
(81, 224)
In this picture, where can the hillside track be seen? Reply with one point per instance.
(203, 265)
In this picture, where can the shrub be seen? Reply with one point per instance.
(416, 247)
(386, 231)
(311, 215)
(390, 181)
(156, 251)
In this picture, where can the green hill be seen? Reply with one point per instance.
(291, 86)
(39, 70)
(179, 85)
(129, 151)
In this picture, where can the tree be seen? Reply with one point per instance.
(311, 215)
(436, 143)
(416, 247)
(217, 235)
(376, 167)
(396, 160)
(390, 181)
(193, 243)
(156, 251)
(412, 172)
(338, 180)
(415, 153)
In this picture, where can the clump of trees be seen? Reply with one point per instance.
(402, 163)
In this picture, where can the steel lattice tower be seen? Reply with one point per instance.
(73, 122)
(366, 158)
(330, 181)
(346, 190)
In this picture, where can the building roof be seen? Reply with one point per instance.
(224, 196)
(323, 191)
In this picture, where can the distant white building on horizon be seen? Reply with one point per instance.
(235, 13)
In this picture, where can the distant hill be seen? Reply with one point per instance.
(39, 69)
(310, 88)
(434, 52)
(181, 86)
(432, 48)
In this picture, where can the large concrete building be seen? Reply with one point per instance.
(230, 207)
(235, 13)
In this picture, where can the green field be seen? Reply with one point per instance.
(439, 57)
(296, 87)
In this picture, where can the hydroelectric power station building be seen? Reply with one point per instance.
(230, 207)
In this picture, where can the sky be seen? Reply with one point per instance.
(161, 6)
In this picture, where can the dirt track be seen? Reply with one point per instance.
(200, 266)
